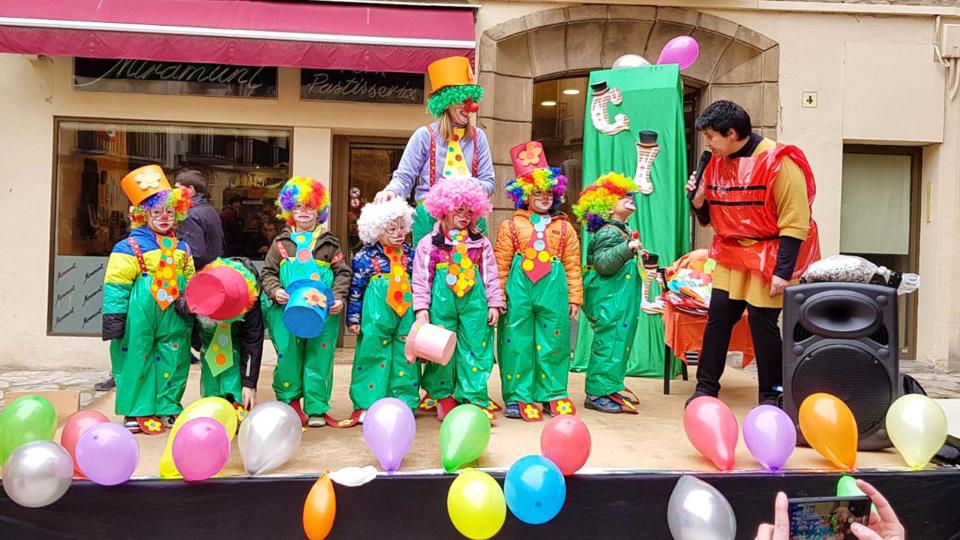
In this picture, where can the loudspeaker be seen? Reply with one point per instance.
(841, 338)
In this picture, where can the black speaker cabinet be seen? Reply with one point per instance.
(841, 338)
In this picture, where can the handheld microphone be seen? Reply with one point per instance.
(704, 161)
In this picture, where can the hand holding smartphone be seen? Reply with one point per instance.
(816, 518)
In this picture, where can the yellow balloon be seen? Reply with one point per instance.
(917, 427)
(476, 505)
(211, 407)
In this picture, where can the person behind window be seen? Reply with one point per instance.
(232, 226)
(202, 230)
(268, 231)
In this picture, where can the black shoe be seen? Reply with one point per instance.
(772, 399)
(695, 395)
(105, 386)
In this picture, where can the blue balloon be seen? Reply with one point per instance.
(535, 490)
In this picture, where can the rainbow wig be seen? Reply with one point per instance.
(546, 179)
(447, 195)
(451, 95)
(177, 198)
(374, 219)
(597, 201)
(303, 190)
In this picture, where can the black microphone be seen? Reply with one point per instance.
(704, 161)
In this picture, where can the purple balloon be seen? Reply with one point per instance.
(770, 436)
(201, 449)
(682, 50)
(389, 428)
(107, 454)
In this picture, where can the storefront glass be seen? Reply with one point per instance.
(244, 168)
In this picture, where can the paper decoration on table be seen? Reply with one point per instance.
(647, 150)
(602, 97)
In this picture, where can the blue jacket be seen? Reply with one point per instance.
(363, 270)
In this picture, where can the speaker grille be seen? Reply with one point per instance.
(850, 373)
(881, 336)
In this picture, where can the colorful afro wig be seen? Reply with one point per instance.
(177, 199)
(451, 95)
(597, 201)
(375, 218)
(303, 190)
(446, 196)
(520, 188)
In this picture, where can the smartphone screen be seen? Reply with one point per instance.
(830, 518)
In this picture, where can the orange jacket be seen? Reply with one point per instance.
(568, 252)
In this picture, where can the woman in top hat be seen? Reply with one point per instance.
(145, 276)
(448, 147)
(538, 255)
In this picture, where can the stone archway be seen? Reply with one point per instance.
(735, 63)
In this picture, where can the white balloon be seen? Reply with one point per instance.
(354, 476)
(37, 474)
(697, 511)
(269, 437)
(630, 61)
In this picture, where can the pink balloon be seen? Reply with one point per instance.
(682, 50)
(565, 440)
(201, 449)
(78, 423)
(770, 436)
(713, 430)
(108, 454)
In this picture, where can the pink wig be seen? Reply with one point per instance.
(446, 196)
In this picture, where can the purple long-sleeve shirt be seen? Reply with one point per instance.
(427, 256)
(414, 168)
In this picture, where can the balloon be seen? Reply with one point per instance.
(211, 407)
(697, 511)
(74, 428)
(630, 61)
(770, 436)
(830, 428)
(389, 429)
(320, 509)
(475, 504)
(464, 435)
(108, 454)
(712, 428)
(26, 419)
(269, 437)
(565, 440)
(847, 487)
(535, 489)
(201, 449)
(917, 428)
(682, 50)
(37, 474)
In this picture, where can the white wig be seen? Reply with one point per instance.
(374, 218)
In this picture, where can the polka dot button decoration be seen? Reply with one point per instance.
(462, 274)
(536, 256)
(399, 294)
(164, 287)
(455, 165)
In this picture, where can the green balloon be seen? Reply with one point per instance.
(847, 487)
(464, 435)
(26, 419)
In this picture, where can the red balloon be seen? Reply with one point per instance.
(712, 428)
(565, 440)
(74, 428)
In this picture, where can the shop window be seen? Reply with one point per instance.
(244, 168)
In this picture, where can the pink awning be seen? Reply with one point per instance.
(383, 37)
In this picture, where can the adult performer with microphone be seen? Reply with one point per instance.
(757, 196)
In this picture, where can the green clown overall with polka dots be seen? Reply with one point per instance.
(534, 337)
(611, 303)
(465, 376)
(380, 368)
(304, 366)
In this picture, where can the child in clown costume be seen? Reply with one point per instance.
(234, 375)
(145, 315)
(456, 285)
(379, 308)
(611, 288)
(538, 255)
(304, 251)
(449, 147)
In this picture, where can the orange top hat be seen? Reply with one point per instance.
(143, 182)
(450, 71)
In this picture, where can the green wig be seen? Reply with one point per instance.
(451, 95)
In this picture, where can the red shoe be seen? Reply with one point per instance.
(558, 407)
(150, 425)
(241, 413)
(427, 404)
(296, 407)
(530, 412)
(444, 406)
(494, 407)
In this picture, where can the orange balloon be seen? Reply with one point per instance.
(829, 427)
(320, 509)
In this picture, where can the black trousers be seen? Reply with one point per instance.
(767, 344)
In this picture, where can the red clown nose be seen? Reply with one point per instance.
(470, 106)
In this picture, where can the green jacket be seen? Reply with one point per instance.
(608, 250)
(326, 249)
